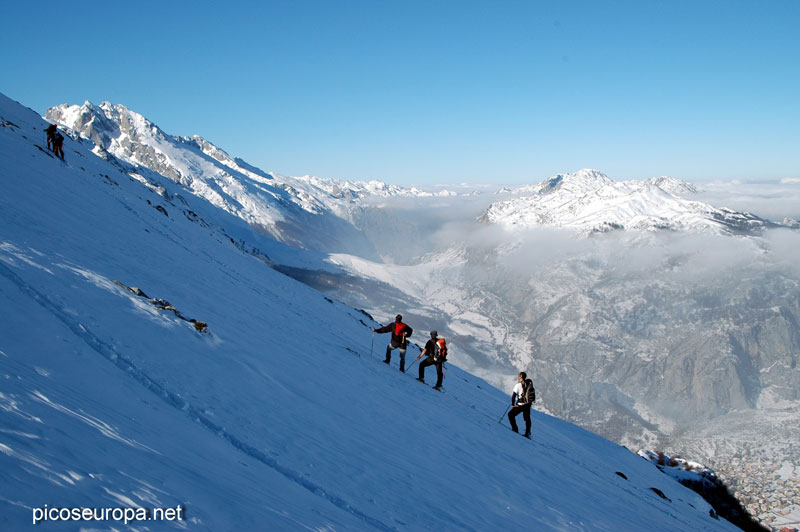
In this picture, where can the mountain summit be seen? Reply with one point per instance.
(582, 181)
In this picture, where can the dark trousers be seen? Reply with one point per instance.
(439, 373)
(526, 415)
(402, 349)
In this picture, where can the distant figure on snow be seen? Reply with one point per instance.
(400, 331)
(436, 351)
(522, 397)
(51, 133)
(58, 143)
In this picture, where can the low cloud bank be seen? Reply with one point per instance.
(774, 201)
(441, 223)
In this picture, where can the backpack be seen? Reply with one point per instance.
(440, 350)
(400, 331)
(528, 393)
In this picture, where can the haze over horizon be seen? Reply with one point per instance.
(420, 93)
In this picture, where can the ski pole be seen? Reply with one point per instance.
(504, 414)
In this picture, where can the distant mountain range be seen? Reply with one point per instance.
(586, 201)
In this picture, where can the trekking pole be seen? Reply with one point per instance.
(504, 415)
(372, 344)
(412, 365)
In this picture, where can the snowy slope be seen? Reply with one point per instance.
(276, 418)
(588, 201)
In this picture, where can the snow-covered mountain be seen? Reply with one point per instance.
(329, 215)
(297, 209)
(249, 400)
(588, 201)
(308, 212)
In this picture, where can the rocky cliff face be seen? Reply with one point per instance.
(641, 353)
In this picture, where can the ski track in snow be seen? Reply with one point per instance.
(173, 400)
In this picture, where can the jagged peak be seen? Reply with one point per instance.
(588, 176)
(587, 179)
(673, 185)
(589, 173)
(111, 111)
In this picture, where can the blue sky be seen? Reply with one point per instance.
(436, 92)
